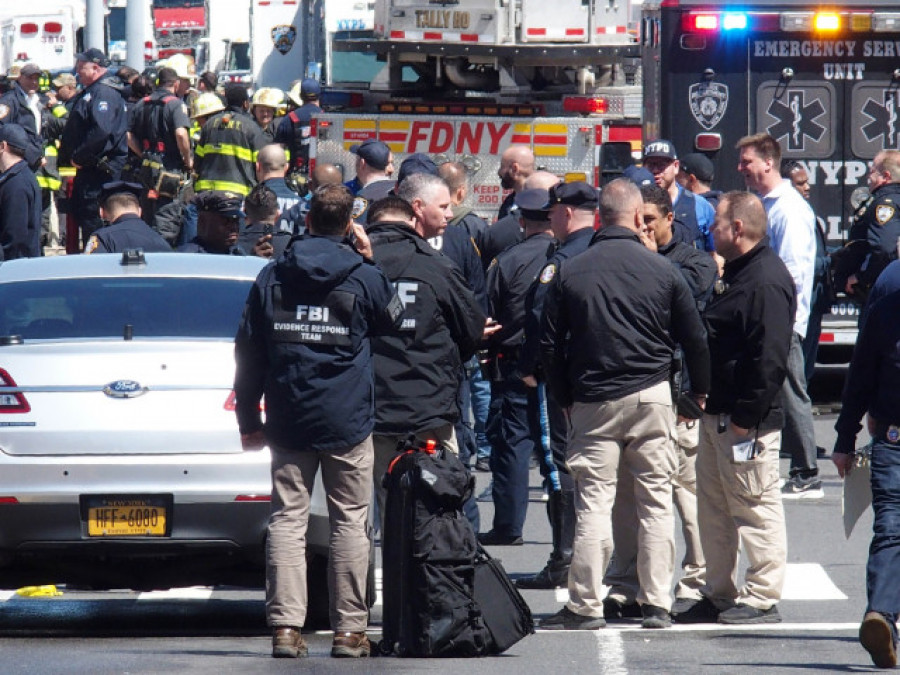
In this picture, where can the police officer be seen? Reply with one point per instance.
(160, 136)
(315, 422)
(516, 164)
(374, 167)
(456, 177)
(218, 221)
(229, 144)
(20, 197)
(513, 426)
(572, 225)
(294, 130)
(693, 214)
(94, 140)
(875, 232)
(871, 387)
(120, 206)
(22, 105)
(417, 366)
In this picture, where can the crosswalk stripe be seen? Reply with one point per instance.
(189, 593)
(803, 581)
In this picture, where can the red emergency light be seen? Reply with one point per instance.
(29, 28)
(585, 105)
(53, 27)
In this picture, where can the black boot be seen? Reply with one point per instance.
(562, 525)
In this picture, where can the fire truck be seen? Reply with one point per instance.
(821, 79)
(464, 80)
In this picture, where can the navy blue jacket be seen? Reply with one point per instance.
(304, 344)
(871, 384)
(20, 213)
(287, 199)
(456, 244)
(530, 357)
(97, 129)
(14, 110)
(294, 132)
(128, 231)
(500, 236)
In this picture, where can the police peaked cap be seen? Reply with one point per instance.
(226, 204)
(118, 187)
(578, 195)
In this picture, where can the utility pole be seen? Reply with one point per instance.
(93, 30)
(135, 33)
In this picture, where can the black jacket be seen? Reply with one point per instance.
(153, 124)
(20, 213)
(612, 320)
(750, 326)
(696, 266)
(417, 366)
(500, 236)
(128, 231)
(305, 344)
(509, 279)
(96, 133)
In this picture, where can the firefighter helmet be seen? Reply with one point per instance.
(294, 94)
(206, 104)
(183, 65)
(270, 97)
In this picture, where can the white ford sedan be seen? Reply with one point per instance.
(120, 459)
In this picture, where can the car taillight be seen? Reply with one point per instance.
(8, 500)
(11, 402)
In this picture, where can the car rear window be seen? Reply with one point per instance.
(103, 307)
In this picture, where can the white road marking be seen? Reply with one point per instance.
(189, 593)
(719, 628)
(803, 581)
(6, 595)
(611, 653)
(809, 581)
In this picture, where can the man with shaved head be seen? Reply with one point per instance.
(612, 319)
(750, 321)
(516, 164)
(271, 168)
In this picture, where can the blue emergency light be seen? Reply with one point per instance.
(734, 21)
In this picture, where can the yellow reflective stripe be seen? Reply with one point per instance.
(50, 151)
(60, 111)
(67, 171)
(228, 150)
(223, 185)
(48, 183)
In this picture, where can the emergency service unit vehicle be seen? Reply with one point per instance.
(464, 80)
(45, 32)
(824, 82)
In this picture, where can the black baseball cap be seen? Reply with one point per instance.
(660, 148)
(578, 195)
(93, 55)
(376, 153)
(226, 204)
(700, 165)
(119, 186)
(14, 135)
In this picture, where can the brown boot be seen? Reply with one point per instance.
(350, 645)
(288, 643)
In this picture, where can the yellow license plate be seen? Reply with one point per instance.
(125, 517)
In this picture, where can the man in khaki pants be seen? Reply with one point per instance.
(611, 322)
(750, 320)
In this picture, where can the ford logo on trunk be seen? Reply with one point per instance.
(124, 389)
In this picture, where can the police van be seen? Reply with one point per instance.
(824, 82)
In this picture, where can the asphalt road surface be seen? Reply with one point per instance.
(222, 630)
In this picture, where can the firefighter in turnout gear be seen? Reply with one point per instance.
(160, 136)
(228, 148)
(294, 130)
